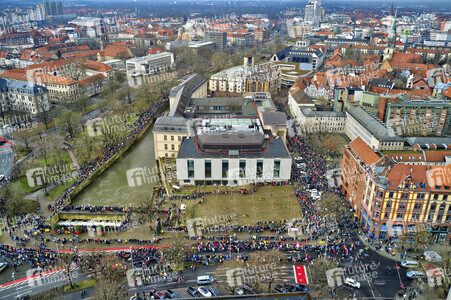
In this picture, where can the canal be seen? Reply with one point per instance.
(117, 187)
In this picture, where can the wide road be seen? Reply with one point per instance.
(38, 284)
(6, 158)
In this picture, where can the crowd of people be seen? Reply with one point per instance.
(110, 149)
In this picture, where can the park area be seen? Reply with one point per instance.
(268, 203)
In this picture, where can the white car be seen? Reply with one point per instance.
(352, 282)
(316, 196)
(204, 292)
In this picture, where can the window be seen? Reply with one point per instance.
(225, 168)
(386, 215)
(438, 187)
(276, 168)
(399, 216)
(172, 147)
(172, 138)
(165, 146)
(446, 187)
(402, 206)
(165, 138)
(390, 195)
(190, 168)
(207, 168)
(179, 138)
(259, 168)
(388, 204)
(242, 169)
(417, 206)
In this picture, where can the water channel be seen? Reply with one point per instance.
(116, 187)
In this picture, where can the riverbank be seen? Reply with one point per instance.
(116, 156)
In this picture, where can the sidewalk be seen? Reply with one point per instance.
(382, 251)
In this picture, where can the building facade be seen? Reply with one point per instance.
(391, 199)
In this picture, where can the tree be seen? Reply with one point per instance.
(123, 55)
(147, 204)
(43, 110)
(422, 238)
(68, 122)
(82, 103)
(332, 205)
(175, 253)
(24, 136)
(261, 272)
(110, 272)
(126, 94)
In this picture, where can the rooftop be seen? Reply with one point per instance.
(374, 126)
(274, 149)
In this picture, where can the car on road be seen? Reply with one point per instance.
(193, 292)
(352, 282)
(204, 292)
(363, 252)
(170, 294)
(204, 279)
(214, 291)
(290, 288)
(409, 264)
(415, 274)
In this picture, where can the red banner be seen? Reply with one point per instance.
(300, 274)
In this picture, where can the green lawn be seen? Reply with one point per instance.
(267, 204)
(59, 189)
(23, 185)
(84, 284)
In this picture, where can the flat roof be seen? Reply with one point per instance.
(276, 149)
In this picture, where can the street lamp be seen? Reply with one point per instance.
(17, 290)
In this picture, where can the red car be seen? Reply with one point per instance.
(159, 295)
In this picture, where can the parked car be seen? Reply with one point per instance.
(204, 292)
(3, 266)
(248, 288)
(290, 288)
(302, 288)
(279, 288)
(432, 256)
(214, 291)
(159, 295)
(352, 282)
(170, 294)
(193, 292)
(415, 274)
(239, 291)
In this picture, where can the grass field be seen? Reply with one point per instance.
(267, 204)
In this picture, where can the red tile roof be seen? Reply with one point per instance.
(363, 151)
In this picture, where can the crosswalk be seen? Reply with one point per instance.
(44, 279)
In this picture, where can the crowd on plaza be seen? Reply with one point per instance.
(219, 245)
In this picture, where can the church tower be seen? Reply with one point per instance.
(391, 41)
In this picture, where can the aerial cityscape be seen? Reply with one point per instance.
(225, 149)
